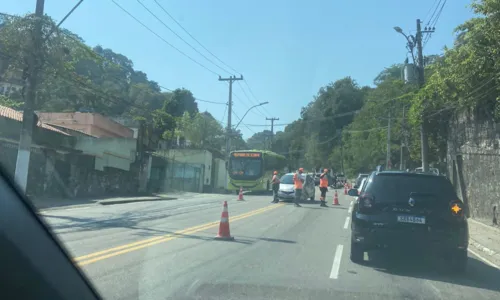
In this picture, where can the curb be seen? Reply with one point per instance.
(112, 202)
(482, 248)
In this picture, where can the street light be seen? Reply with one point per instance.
(260, 104)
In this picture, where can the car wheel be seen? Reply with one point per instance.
(458, 261)
(357, 253)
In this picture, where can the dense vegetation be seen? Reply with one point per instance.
(75, 77)
(463, 80)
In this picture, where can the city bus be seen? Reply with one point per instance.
(253, 169)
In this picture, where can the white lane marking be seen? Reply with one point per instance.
(334, 274)
(484, 259)
(350, 210)
(346, 224)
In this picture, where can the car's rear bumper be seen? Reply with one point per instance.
(429, 239)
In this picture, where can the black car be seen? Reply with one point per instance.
(419, 211)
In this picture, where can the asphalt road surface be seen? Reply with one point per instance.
(166, 250)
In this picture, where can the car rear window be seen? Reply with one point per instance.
(287, 179)
(397, 188)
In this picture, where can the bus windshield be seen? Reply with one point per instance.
(245, 168)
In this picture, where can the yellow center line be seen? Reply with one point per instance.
(104, 254)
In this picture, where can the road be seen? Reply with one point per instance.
(166, 250)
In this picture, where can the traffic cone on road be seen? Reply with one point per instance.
(335, 199)
(240, 195)
(224, 232)
(345, 189)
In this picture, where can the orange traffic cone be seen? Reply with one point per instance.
(345, 189)
(240, 195)
(335, 199)
(224, 233)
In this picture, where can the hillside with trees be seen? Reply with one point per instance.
(76, 77)
(347, 123)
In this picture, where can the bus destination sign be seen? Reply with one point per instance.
(246, 154)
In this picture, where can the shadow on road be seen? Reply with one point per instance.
(237, 239)
(478, 273)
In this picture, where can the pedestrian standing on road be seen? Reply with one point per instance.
(276, 186)
(298, 184)
(323, 187)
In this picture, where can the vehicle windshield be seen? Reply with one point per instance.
(287, 179)
(142, 131)
(245, 167)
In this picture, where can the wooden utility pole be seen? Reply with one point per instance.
(30, 75)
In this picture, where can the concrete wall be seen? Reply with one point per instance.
(473, 162)
(194, 156)
(220, 174)
(118, 153)
(54, 175)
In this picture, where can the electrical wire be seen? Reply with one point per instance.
(177, 35)
(164, 40)
(199, 43)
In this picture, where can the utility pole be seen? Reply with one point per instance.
(229, 132)
(231, 79)
(421, 81)
(272, 130)
(29, 95)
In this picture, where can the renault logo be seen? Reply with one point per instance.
(411, 202)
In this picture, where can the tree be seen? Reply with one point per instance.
(181, 100)
(259, 140)
(202, 131)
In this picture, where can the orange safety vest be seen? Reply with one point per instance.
(323, 181)
(297, 182)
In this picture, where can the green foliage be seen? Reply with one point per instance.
(74, 77)
(6, 101)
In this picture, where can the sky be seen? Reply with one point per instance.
(286, 50)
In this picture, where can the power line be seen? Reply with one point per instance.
(205, 48)
(187, 32)
(246, 95)
(177, 35)
(164, 40)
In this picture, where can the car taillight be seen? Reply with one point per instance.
(457, 208)
(365, 203)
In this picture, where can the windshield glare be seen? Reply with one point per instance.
(287, 179)
(245, 166)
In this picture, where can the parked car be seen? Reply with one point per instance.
(287, 190)
(420, 211)
(357, 182)
(431, 170)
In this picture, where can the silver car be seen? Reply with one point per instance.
(287, 190)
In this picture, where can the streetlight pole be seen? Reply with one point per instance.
(260, 104)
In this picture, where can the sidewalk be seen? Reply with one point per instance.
(50, 203)
(485, 240)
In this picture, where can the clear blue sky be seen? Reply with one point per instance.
(285, 49)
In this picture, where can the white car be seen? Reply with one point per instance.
(287, 190)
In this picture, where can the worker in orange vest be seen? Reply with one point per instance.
(298, 184)
(323, 187)
(275, 181)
